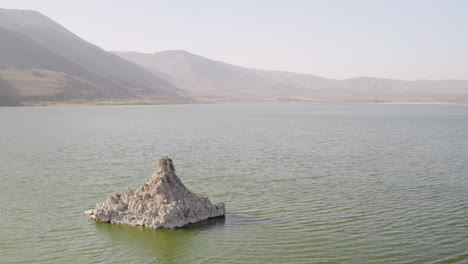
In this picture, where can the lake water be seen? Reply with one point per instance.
(301, 183)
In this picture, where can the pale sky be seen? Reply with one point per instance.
(400, 39)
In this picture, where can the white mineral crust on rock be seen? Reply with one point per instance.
(162, 202)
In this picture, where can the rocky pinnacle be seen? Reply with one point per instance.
(162, 202)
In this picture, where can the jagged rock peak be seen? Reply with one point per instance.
(163, 201)
(165, 165)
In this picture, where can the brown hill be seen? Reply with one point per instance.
(42, 61)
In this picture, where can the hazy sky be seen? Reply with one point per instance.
(403, 39)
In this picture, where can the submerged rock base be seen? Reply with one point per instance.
(162, 202)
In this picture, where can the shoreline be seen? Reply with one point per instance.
(232, 102)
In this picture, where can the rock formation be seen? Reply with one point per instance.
(162, 202)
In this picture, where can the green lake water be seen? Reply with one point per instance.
(301, 183)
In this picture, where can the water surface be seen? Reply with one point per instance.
(302, 183)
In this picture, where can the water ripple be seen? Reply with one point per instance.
(302, 183)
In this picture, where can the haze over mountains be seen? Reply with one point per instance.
(41, 61)
(210, 79)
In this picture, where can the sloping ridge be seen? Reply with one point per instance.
(21, 53)
(33, 41)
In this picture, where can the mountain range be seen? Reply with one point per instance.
(43, 62)
(210, 79)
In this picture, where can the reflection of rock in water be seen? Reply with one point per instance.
(149, 245)
(206, 224)
(163, 201)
